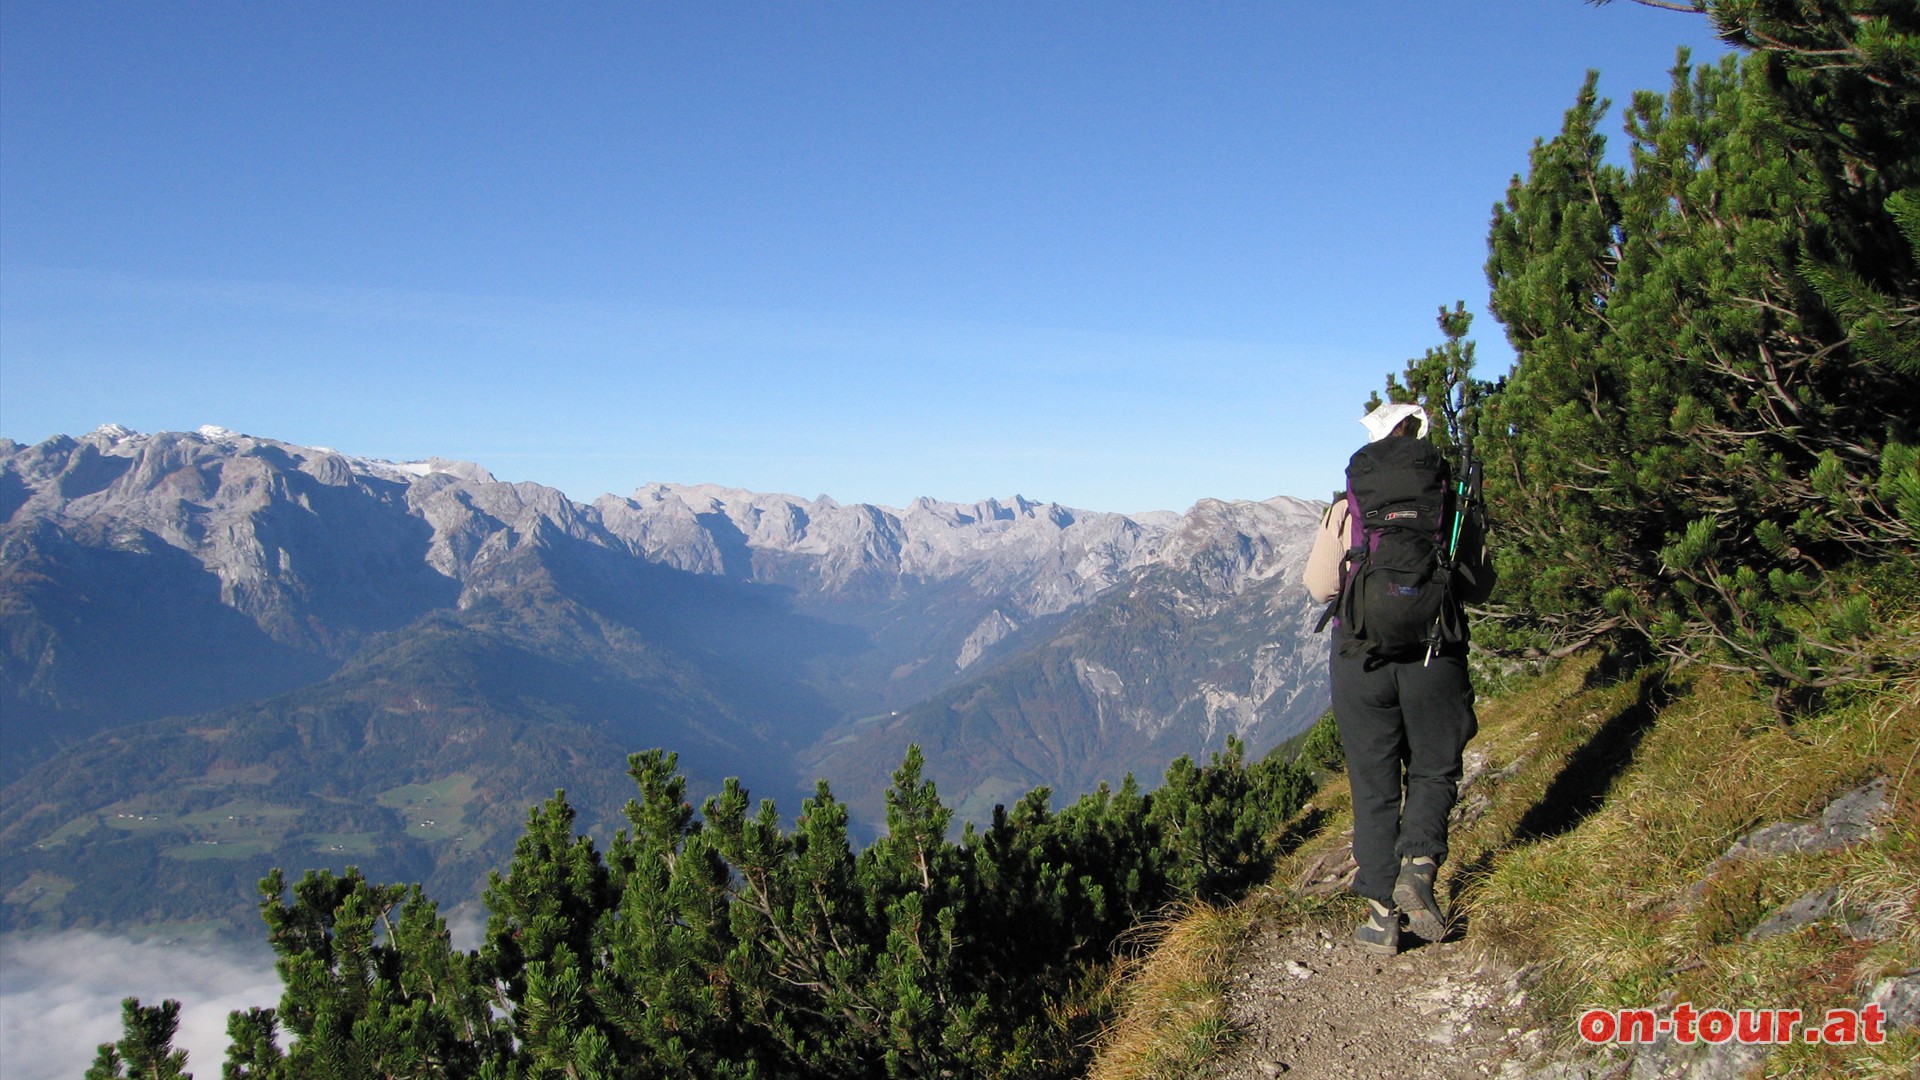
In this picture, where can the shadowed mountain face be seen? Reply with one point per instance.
(224, 653)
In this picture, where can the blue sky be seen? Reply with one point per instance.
(1120, 256)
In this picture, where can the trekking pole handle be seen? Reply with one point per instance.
(1466, 493)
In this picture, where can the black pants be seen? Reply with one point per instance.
(1395, 716)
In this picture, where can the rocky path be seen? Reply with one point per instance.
(1306, 1002)
(1310, 1004)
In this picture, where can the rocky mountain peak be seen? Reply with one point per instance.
(1231, 544)
(318, 549)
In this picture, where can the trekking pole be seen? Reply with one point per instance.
(1465, 493)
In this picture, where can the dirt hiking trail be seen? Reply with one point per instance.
(1309, 1003)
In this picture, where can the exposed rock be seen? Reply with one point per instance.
(1899, 999)
(992, 630)
(1332, 872)
(1562, 1070)
(1809, 908)
(1847, 820)
(1871, 925)
(1040, 558)
(1667, 1059)
(284, 528)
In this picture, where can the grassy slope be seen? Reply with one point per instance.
(1580, 849)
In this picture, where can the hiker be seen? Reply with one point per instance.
(1401, 695)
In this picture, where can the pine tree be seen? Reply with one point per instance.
(1550, 439)
(826, 954)
(1442, 382)
(724, 945)
(1215, 822)
(1710, 427)
(801, 960)
(544, 916)
(372, 987)
(145, 1050)
(911, 878)
(664, 985)
(253, 1047)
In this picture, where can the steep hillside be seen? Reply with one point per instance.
(1625, 839)
(1703, 473)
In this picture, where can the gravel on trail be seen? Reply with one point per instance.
(1309, 1003)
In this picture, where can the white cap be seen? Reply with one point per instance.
(1381, 421)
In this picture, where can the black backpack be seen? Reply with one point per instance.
(1395, 598)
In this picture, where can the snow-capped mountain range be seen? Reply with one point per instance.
(195, 574)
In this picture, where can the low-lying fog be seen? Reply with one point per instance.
(60, 996)
(60, 993)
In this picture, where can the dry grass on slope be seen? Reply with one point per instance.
(1173, 1016)
(1639, 906)
(1588, 847)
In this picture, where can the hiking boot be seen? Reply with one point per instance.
(1413, 892)
(1379, 932)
